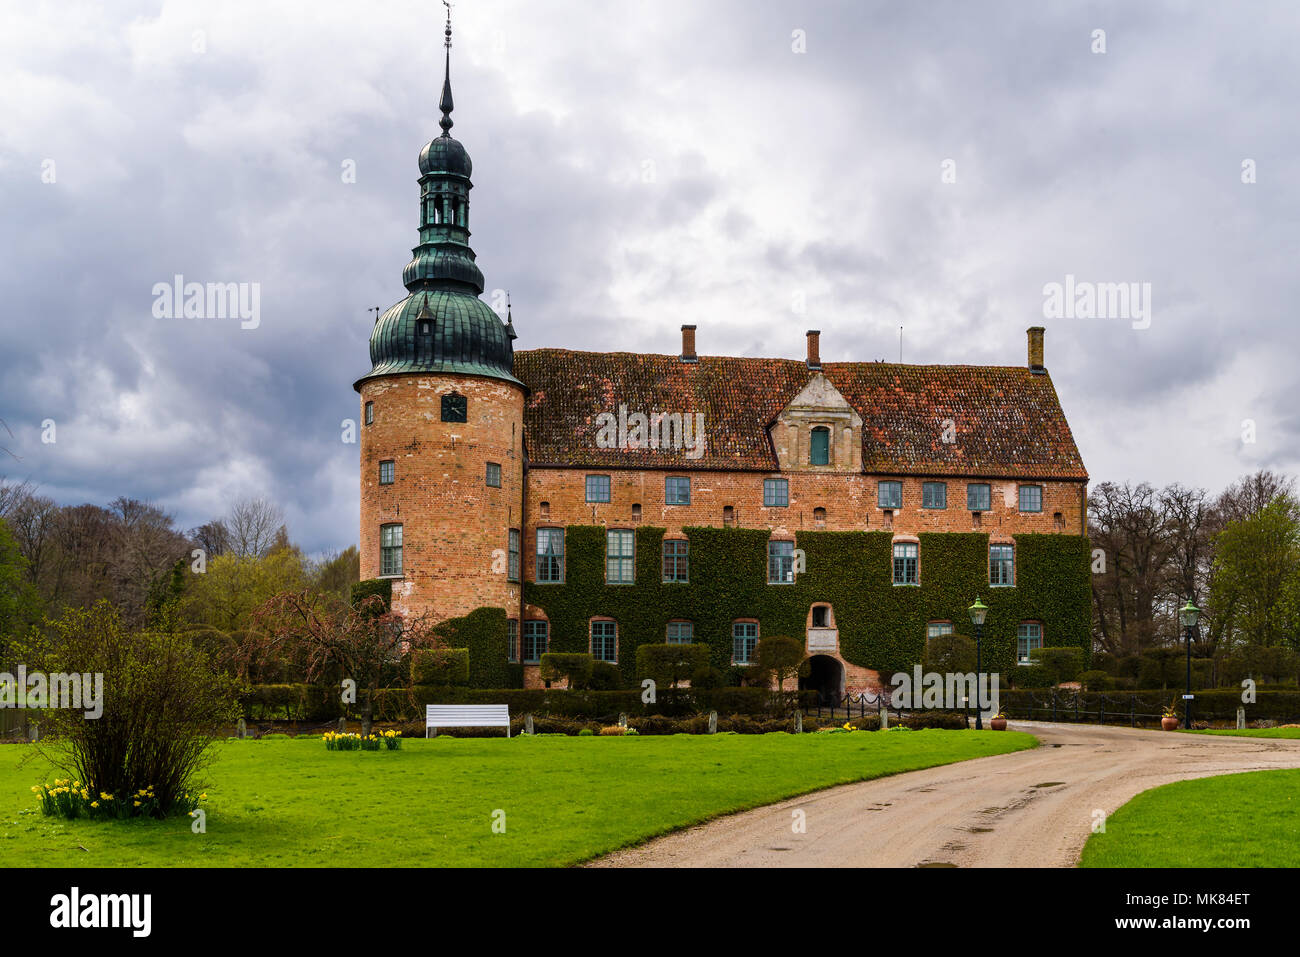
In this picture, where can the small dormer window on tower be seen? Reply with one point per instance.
(425, 327)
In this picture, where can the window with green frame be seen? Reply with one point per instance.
(550, 555)
(1002, 565)
(1031, 498)
(535, 640)
(889, 495)
(979, 497)
(1029, 635)
(680, 633)
(512, 561)
(677, 490)
(597, 488)
(744, 641)
(906, 555)
(776, 493)
(604, 640)
(819, 448)
(780, 563)
(390, 550)
(676, 560)
(934, 495)
(512, 639)
(620, 567)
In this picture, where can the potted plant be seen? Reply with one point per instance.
(999, 721)
(1169, 717)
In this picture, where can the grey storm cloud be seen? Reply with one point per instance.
(636, 166)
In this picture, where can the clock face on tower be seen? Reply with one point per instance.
(454, 408)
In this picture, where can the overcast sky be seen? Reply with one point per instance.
(637, 166)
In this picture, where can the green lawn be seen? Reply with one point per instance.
(286, 803)
(1255, 732)
(1234, 820)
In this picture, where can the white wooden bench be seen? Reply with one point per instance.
(466, 716)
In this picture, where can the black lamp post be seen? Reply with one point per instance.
(977, 613)
(1188, 615)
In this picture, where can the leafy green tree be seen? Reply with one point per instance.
(1256, 582)
(19, 605)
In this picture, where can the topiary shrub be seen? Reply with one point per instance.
(440, 666)
(1096, 680)
(950, 654)
(605, 676)
(1059, 664)
(381, 587)
(667, 665)
(576, 667)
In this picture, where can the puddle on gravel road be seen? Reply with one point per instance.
(936, 864)
(1050, 784)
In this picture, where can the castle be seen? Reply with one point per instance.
(553, 500)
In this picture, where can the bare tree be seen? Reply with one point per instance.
(253, 525)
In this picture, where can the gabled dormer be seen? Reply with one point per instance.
(818, 430)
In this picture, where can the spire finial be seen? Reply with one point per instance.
(445, 104)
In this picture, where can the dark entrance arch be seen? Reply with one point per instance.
(826, 677)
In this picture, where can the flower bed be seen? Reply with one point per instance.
(382, 741)
(72, 799)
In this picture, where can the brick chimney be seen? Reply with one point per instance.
(688, 344)
(814, 349)
(1036, 349)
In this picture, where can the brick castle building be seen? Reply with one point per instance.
(580, 501)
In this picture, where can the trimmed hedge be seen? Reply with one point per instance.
(483, 634)
(1280, 706)
(881, 626)
(440, 666)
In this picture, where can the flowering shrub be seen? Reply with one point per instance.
(72, 799)
(383, 740)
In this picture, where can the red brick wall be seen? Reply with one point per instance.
(454, 525)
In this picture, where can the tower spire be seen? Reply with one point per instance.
(445, 104)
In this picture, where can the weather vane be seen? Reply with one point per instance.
(446, 4)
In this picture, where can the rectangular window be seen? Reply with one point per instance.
(620, 569)
(978, 497)
(776, 493)
(370, 413)
(386, 471)
(512, 640)
(535, 634)
(676, 559)
(597, 488)
(677, 490)
(680, 632)
(936, 628)
(905, 562)
(550, 554)
(1031, 498)
(1028, 637)
(390, 550)
(512, 567)
(493, 476)
(604, 641)
(744, 640)
(780, 563)
(1002, 565)
(934, 495)
(890, 495)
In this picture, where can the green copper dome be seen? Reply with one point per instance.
(442, 325)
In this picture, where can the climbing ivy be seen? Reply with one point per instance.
(881, 626)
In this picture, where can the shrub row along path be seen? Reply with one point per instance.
(1029, 809)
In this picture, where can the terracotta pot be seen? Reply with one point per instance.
(1169, 724)
(998, 724)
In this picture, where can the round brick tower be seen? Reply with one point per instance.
(442, 417)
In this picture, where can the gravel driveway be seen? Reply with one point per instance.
(1028, 809)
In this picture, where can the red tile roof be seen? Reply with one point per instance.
(1008, 421)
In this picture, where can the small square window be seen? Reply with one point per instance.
(386, 471)
(936, 629)
(934, 495)
(493, 477)
(1031, 498)
(776, 493)
(979, 497)
(677, 490)
(597, 488)
(890, 495)
(680, 633)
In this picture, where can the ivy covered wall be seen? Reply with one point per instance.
(881, 626)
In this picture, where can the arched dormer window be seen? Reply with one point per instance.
(819, 446)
